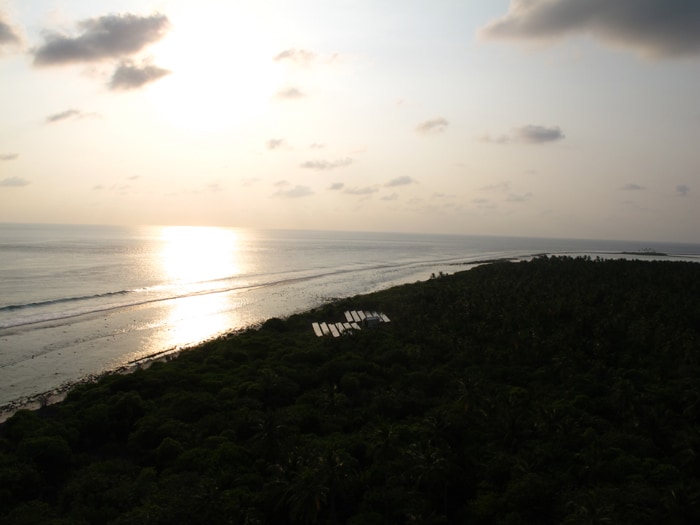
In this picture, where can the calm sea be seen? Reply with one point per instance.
(76, 301)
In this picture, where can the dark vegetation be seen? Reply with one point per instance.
(554, 391)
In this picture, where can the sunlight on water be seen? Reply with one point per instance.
(196, 319)
(199, 254)
(197, 260)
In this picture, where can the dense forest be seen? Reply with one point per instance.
(560, 390)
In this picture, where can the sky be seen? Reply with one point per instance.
(539, 118)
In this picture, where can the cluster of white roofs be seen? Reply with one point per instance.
(354, 320)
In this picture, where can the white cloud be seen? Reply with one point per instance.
(296, 56)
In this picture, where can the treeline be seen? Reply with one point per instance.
(561, 390)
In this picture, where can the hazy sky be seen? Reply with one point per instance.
(558, 118)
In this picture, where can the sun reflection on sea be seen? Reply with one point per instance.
(193, 254)
(199, 261)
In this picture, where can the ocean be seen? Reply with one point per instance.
(79, 301)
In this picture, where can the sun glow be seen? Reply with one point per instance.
(196, 254)
(222, 72)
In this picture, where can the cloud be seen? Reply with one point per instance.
(653, 28)
(682, 190)
(392, 197)
(128, 76)
(435, 125)
(68, 114)
(13, 182)
(274, 143)
(291, 93)
(367, 190)
(294, 193)
(317, 145)
(296, 56)
(336, 186)
(530, 134)
(9, 156)
(632, 187)
(538, 134)
(400, 181)
(111, 36)
(8, 34)
(325, 165)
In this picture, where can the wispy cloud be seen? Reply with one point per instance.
(392, 197)
(68, 114)
(305, 58)
(9, 156)
(529, 134)
(296, 56)
(325, 165)
(316, 145)
(431, 126)
(274, 143)
(294, 193)
(13, 182)
(653, 28)
(682, 190)
(106, 37)
(336, 186)
(632, 187)
(400, 181)
(129, 76)
(290, 93)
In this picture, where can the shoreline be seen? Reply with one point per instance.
(58, 394)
